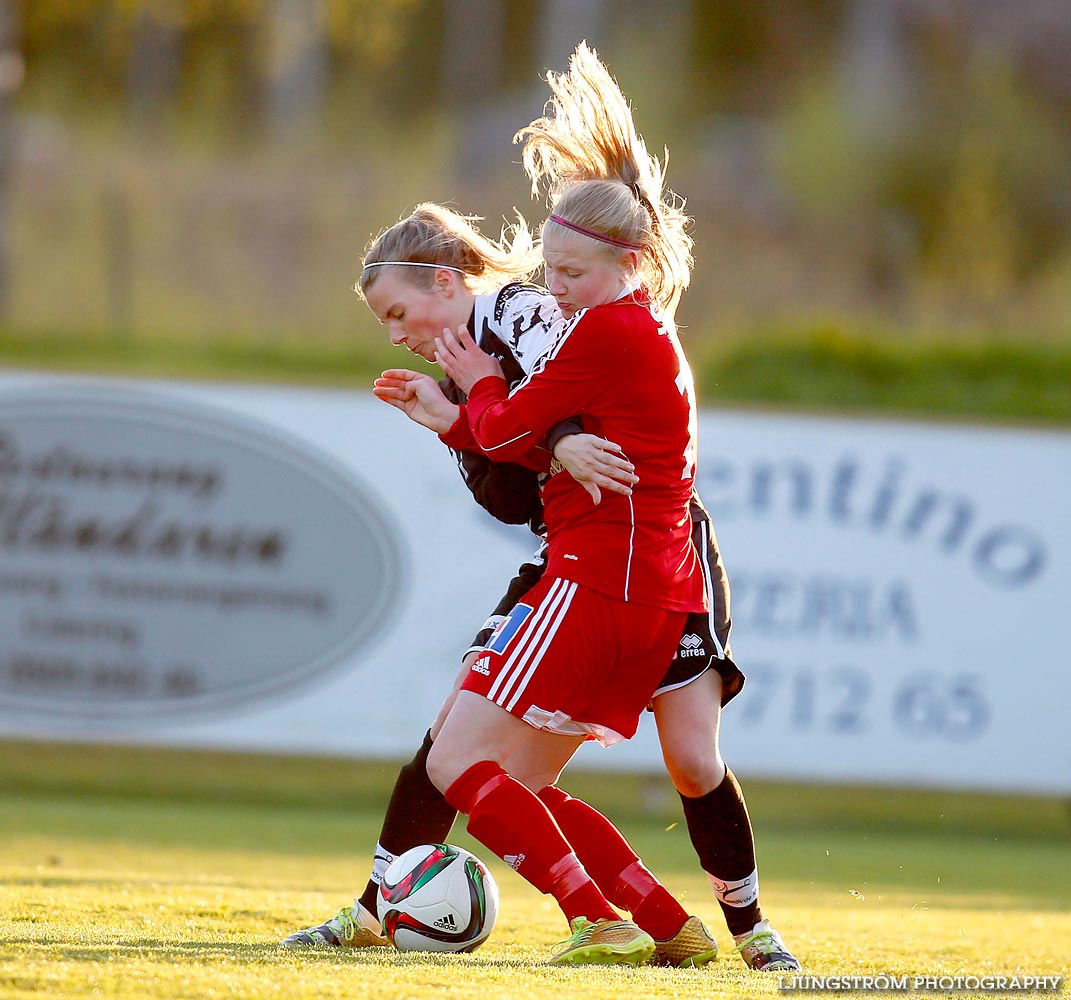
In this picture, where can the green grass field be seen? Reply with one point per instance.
(153, 874)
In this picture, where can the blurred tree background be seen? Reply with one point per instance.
(867, 176)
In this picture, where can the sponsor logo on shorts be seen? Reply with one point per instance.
(507, 628)
(691, 645)
(483, 666)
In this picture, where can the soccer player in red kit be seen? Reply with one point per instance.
(622, 371)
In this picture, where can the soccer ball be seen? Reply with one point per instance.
(437, 897)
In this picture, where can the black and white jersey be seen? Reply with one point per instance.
(518, 324)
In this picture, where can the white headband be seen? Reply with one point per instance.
(414, 263)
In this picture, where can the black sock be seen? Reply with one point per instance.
(416, 814)
(721, 834)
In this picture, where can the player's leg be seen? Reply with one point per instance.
(688, 720)
(467, 762)
(559, 664)
(680, 939)
(701, 679)
(417, 813)
(606, 854)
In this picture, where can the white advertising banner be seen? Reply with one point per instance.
(282, 569)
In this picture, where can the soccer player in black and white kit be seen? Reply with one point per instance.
(430, 272)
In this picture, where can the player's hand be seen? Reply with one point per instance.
(596, 464)
(418, 396)
(458, 355)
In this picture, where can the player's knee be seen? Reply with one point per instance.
(443, 769)
(694, 770)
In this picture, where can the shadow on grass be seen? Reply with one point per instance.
(273, 953)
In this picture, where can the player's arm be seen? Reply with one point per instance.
(510, 492)
(526, 324)
(507, 491)
(504, 424)
(521, 328)
(526, 335)
(595, 463)
(531, 452)
(463, 361)
(421, 399)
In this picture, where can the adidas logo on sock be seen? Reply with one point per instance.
(514, 861)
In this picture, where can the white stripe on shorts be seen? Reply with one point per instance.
(530, 644)
(537, 620)
(704, 563)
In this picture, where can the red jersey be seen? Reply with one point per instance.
(625, 374)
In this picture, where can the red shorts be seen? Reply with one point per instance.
(574, 661)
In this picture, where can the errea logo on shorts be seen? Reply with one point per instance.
(691, 645)
(482, 666)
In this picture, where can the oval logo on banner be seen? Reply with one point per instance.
(160, 558)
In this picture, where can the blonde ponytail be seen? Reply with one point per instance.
(588, 159)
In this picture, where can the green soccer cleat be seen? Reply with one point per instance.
(763, 950)
(352, 927)
(604, 942)
(691, 947)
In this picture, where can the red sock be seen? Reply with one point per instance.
(510, 820)
(614, 865)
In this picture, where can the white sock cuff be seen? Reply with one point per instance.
(736, 892)
(381, 861)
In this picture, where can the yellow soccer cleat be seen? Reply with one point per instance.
(691, 947)
(604, 942)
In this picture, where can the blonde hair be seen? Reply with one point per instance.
(587, 156)
(434, 234)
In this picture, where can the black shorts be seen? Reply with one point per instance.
(704, 643)
(698, 653)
